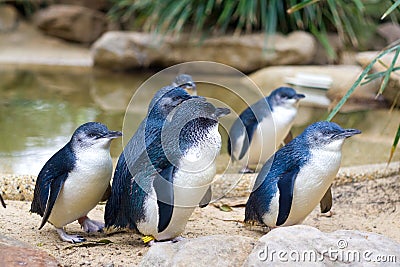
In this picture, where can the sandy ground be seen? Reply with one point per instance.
(367, 206)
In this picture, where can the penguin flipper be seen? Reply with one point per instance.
(206, 198)
(250, 123)
(326, 201)
(2, 201)
(55, 189)
(164, 187)
(106, 194)
(286, 186)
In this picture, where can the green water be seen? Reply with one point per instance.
(40, 109)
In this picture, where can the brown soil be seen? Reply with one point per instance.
(367, 206)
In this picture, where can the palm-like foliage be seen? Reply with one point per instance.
(350, 18)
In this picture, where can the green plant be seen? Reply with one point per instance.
(348, 17)
(395, 48)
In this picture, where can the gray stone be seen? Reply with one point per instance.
(123, 50)
(73, 23)
(8, 18)
(216, 250)
(92, 4)
(389, 31)
(343, 77)
(17, 253)
(392, 89)
(301, 244)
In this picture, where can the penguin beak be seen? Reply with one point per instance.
(347, 133)
(351, 132)
(298, 96)
(112, 134)
(220, 112)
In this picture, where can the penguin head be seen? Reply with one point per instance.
(93, 135)
(164, 103)
(327, 135)
(186, 82)
(284, 96)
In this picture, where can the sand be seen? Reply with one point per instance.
(372, 206)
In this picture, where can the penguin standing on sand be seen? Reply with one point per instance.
(298, 177)
(262, 127)
(173, 175)
(74, 179)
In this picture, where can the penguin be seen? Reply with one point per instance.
(174, 173)
(262, 127)
(164, 101)
(293, 181)
(2, 201)
(74, 179)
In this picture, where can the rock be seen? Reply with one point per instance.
(73, 23)
(306, 244)
(389, 31)
(8, 18)
(102, 5)
(124, 50)
(321, 56)
(17, 253)
(216, 250)
(343, 77)
(392, 89)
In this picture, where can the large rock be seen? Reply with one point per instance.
(73, 23)
(217, 250)
(392, 90)
(389, 31)
(302, 244)
(16, 253)
(92, 4)
(8, 18)
(123, 50)
(343, 77)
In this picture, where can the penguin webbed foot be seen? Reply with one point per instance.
(90, 226)
(327, 214)
(246, 169)
(173, 240)
(69, 238)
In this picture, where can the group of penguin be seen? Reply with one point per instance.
(167, 168)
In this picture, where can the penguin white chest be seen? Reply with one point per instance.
(191, 180)
(84, 186)
(270, 133)
(313, 180)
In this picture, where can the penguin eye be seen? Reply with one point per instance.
(92, 135)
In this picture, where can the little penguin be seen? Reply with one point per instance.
(167, 98)
(74, 179)
(173, 175)
(293, 181)
(262, 127)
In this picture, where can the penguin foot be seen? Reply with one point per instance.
(90, 226)
(173, 240)
(327, 214)
(246, 170)
(69, 238)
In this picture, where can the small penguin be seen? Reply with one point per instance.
(262, 127)
(293, 181)
(165, 100)
(173, 174)
(2, 201)
(74, 179)
(186, 82)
